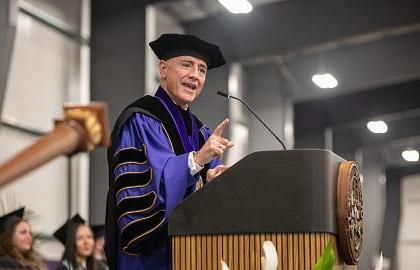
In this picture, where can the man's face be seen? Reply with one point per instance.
(183, 77)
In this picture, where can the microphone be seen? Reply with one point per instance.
(223, 94)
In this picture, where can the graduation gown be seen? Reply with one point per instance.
(149, 176)
(66, 265)
(8, 263)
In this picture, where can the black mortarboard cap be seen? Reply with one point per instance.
(98, 230)
(62, 233)
(17, 213)
(172, 45)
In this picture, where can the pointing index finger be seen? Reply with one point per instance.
(219, 129)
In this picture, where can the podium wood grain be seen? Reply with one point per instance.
(243, 251)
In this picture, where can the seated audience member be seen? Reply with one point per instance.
(78, 241)
(16, 249)
(99, 236)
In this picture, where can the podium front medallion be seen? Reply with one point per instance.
(350, 212)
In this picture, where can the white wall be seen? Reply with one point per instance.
(43, 191)
(409, 235)
(46, 71)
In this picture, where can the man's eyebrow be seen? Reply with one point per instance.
(192, 62)
(187, 61)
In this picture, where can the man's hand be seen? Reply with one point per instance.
(215, 172)
(215, 146)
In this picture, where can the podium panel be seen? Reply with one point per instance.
(297, 199)
(244, 251)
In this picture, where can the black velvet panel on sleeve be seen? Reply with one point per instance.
(129, 155)
(133, 179)
(136, 204)
(140, 229)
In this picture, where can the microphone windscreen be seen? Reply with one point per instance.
(222, 94)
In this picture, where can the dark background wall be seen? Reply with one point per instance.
(117, 76)
(265, 92)
(7, 35)
(210, 107)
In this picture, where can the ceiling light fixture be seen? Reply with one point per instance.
(325, 80)
(237, 6)
(410, 155)
(377, 126)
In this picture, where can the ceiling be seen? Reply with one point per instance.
(185, 11)
(371, 47)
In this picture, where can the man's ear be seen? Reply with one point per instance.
(163, 67)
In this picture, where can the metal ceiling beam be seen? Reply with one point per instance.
(282, 27)
(355, 106)
(366, 66)
(401, 133)
(355, 40)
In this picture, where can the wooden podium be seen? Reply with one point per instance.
(297, 199)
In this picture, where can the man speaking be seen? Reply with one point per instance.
(160, 153)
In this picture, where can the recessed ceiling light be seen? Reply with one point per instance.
(237, 6)
(410, 155)
(377, 126)
(325, 80)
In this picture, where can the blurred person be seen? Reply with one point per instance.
(99, 237)
(77, 238)
(16, 245)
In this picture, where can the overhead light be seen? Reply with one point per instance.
(237, 6)
(410, 155)
(325, 80)
(377, 126)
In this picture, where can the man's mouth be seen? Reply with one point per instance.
(190, 86)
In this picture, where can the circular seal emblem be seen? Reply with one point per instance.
(350, 212)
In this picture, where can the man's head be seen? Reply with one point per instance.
(184, 61)
(183, 78)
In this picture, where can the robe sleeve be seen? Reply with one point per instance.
(149, 180)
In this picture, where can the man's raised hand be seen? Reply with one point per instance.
(215, 146)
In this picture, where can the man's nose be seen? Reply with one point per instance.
(193, 73)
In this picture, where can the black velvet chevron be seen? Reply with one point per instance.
(129, 155)
(133, 179)
(139, 229)
(135, 204)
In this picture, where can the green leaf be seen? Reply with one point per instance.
(326, 261)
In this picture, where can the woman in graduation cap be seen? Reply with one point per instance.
(16, 249)
(78, 240)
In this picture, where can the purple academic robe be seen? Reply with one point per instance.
(149, 182)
